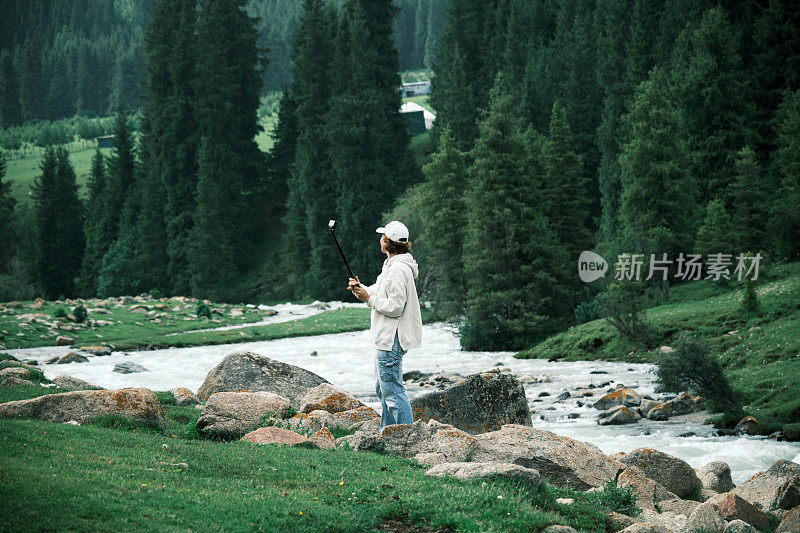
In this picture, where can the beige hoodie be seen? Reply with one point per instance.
(395, 306)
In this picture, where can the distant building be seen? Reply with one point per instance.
(415, 89)
(418, 119)
(105, 142)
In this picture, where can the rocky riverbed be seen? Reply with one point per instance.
(345, 360)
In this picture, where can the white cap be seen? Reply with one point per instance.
(394, 230)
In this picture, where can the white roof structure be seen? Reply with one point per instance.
(410, 107)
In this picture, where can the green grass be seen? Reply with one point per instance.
(134, 331)
(22, 172)
(108, 476)
(762, 357)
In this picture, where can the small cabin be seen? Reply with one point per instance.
(418, 119)
(415, 89)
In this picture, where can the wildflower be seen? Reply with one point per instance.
(500, 497)
(341, 483)
(300, 513)
(316, 498)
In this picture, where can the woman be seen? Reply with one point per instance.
(395, 321)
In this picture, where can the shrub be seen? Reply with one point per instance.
(587, 311)
(203, 310)
(60, 312)
(81, 314)
(750, 302)
(616, 498)
(691, 368)
(622, 305)
(156, 294)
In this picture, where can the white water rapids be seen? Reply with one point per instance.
(345, 359)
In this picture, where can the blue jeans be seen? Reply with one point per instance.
(396, 409)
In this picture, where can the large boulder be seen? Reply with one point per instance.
(565, 461)
(137, 404)
(777, 488)
(327, 397)
(233, 414)
(705, 518)
(12, 381)
(716, 476)
(645, 527)
(674, 474)
(648, 492)
(733, 507)
(478, 403)
(274, 435)
(626, 397)
(69, 382)
(470, 471)
(129, 367)
(617, 416)
(251, 372)
(790, 522)
(346, 419)
(428, 442)
(184, 396)
(740, 526)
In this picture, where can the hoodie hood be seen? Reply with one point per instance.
(404, 258)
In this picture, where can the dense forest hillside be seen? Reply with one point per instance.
(67, 57)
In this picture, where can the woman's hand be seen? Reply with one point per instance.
(358, 290)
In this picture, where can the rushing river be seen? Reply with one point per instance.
(345, 359)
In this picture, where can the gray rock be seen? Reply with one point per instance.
(674, 474)
(617, 416)
(559, 529)
(648, 492)
(275, 435)
(72, 357)
(19, 372)
(129, 367)
(136, 404)
(486, 471)
(233, 414)
(716, 476)
(184, 396)
(565, 461)
(626, 397)
(428, 442)
(478, 403)
(668, 520)
(777, 488)
(747, 426)
(740, 526)
(790, 522)
(678, 506)
(327, 397)
(68, 382)
(647, 405)
(645, 527)
(705, 519)
(12, 381)
(248, 371)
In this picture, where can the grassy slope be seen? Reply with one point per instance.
(108, 477)
(136, 331)
(761, 356)
(21, 172)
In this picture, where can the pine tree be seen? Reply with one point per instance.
(657, 192)
(785, 217)
(716, 235)
(749, 201)
(312, 196)
(369, 141)
(564, 186)
(59, 224)
(613, 22)
(7, 205)
(714, 100)
(230, 165)
(509, 249)
(98, 236)
(443, 207)
(10, 109)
